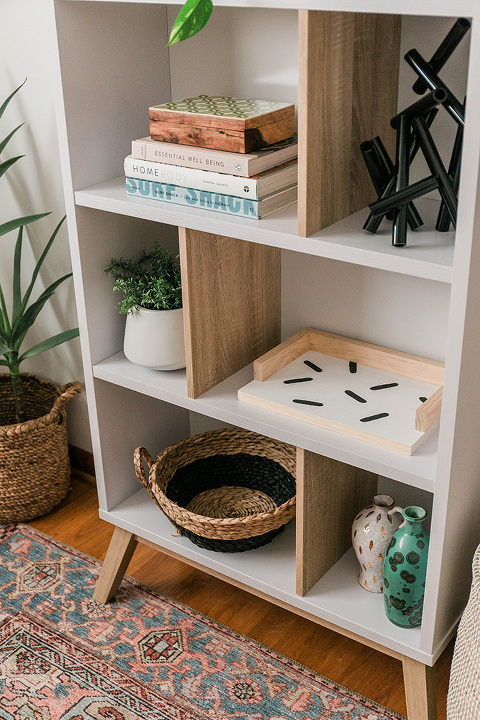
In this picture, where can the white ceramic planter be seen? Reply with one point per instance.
(154, 338)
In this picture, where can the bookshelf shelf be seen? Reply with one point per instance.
(270, 570)
(407, 7)
(429, 254)
(222, 404)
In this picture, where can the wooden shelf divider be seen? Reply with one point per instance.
(329, 495)
(348, 87)
(231, 300)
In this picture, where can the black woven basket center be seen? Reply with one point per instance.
(241, 469)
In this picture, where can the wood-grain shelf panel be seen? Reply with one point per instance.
(339, 107)
(232, 305)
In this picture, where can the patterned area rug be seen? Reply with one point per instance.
(141, 657)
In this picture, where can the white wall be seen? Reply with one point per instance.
(34, 185)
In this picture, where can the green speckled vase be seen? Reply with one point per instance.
(406, 569)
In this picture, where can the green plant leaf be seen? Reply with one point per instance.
(4, 334)
(39, 264)
(4, 324)
(3, 349)
(5, 104)
(4, 321)
(25, 320)
(17, 259)
(8, 163)
(190, 20)
(5, 142)
(14, 224)
(50, 343)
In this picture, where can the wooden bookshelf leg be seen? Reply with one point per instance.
(420, 690)
(329, 495)
(119, 553)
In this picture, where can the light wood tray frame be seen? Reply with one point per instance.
(427, 416)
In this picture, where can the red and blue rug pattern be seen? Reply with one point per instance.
(140, 657)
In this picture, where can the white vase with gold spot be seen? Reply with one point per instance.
(372, 531)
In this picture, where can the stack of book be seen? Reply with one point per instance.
(223, 154)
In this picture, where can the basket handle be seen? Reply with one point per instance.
(139, 456)
(67, 392)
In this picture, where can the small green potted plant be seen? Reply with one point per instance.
(152, 301)
(34, 464)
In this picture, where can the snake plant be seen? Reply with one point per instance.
(24, 310)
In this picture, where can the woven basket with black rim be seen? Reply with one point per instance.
(226, 490)
(34, 464)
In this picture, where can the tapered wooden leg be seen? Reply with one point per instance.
(119, 553)
(420, 690)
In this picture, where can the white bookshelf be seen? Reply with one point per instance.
(112, 63)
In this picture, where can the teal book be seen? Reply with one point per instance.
(204, 199)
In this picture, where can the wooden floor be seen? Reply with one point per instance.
(375, 675)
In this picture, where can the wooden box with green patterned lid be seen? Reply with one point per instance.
(222, 123)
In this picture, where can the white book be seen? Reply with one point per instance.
(231, 163)
(254, 188)
(218, 202)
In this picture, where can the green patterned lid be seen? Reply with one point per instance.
(222, 106)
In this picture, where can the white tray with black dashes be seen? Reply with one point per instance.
(349, 389)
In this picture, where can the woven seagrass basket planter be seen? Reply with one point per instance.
(226, 490)
(34, 464)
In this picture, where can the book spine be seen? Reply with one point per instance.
(191, 178)
(218, 202)
(192, 157)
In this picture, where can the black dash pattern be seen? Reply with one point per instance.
(296, 380)
(354, 395)
(313, 366)
(378, 416)
(384, 387)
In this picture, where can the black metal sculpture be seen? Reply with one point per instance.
(412, 125)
